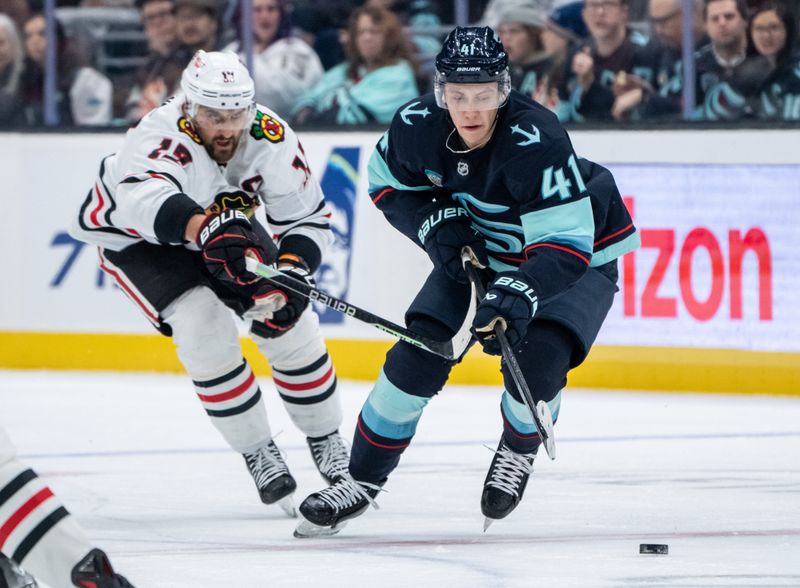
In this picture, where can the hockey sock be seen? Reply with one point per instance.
(519, 432)
(309, 395)
(233, 402)
(36, 530)
(385, 427)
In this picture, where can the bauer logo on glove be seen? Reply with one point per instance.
(218, 220)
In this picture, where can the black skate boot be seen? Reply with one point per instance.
(95, 571)
(272, 477)
(331, 456)
(13, 576)
(505, 483)
(327, 511)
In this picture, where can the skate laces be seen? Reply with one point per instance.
(509, 468)
(346, 492)
(331, 455)
(266, 463)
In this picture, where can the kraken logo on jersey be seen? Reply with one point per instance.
(236, 200)
(434, 177)
(267, 127)
(184, 126)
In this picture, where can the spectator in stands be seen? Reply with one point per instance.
(726, 81)
(610, 64)
(373, 83)
(772, 31)
(17, 10)
(323, 25)
(159, 77)
(664, 98)
(197, 26)
(520, 28)
(11, 59)
(284, 66)
(84, 95)
(563, 32)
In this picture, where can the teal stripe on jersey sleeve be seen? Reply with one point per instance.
(571, 223)
(390, 412)
(628, 244)
(380, 176)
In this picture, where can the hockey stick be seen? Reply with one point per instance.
(452, 349)
(542, 418)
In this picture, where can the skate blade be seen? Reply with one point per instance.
(287, 505)
(487, 522)
(308, 530)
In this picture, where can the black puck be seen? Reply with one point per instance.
(653, 548)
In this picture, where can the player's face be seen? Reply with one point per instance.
(221, 130)
(473, 108)
(769, 34)
(266, 18)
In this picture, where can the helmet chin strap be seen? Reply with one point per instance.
(482, 144)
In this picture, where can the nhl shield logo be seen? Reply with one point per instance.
(228, 77)
(463, 168)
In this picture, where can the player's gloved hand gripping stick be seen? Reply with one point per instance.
(452, 349)
(540, 412)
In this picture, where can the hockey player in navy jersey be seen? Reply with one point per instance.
(477, 165)
(201, 182)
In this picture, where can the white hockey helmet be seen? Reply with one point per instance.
(217, 79)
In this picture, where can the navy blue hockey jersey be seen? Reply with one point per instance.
(538, 207)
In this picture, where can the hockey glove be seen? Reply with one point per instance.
(288, 313)
(444, 233)
(225, 239)
(509, 301)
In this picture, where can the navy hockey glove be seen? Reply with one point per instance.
(510, 301)
(225, 239)
(289, 313)
(444, 233)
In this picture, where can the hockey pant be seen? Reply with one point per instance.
(36, 531)
(207, 342)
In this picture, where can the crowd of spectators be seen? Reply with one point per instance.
(347, 62)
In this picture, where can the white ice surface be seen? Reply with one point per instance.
(715, 477)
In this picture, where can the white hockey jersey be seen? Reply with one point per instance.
(148, 190)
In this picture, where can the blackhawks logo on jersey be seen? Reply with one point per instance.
(266, 127)
(235, 199)
(186, 127)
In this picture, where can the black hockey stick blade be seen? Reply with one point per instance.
(540, 411)
(452, 349)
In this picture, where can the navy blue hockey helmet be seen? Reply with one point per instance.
(472, 55)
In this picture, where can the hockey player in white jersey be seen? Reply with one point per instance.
(174, 213)
(37, 532)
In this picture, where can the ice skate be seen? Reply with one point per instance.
(331, 456)
(12, 576)
(95, 571)
(274, 482)
(327, 511)
(505, 483)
